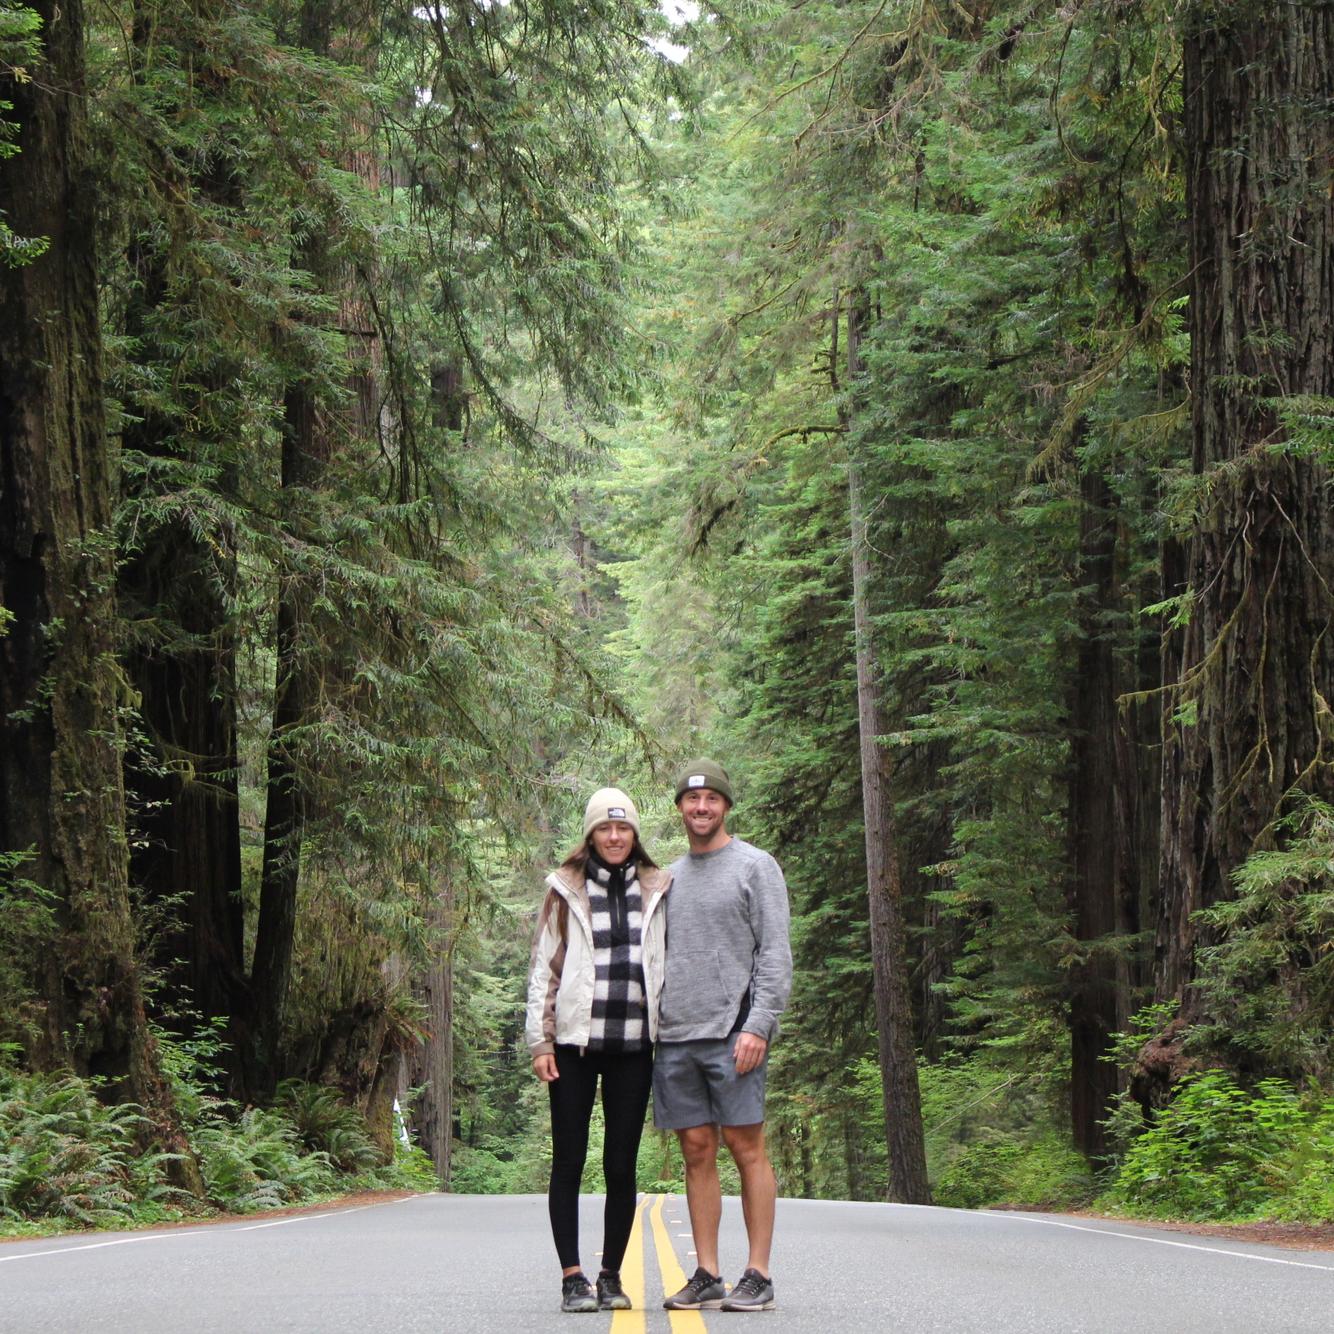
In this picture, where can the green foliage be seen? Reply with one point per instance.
(1220, 1150)
(65, 1156)
(20, 45)
(1032, 1171)
(997, 1136)
(69, 1159)
(307, 1146)
(1270, 979)
(257, 1161)
(410, 1168)
(327, 1125)
(28, 926)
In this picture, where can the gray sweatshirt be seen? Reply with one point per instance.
(727, 941)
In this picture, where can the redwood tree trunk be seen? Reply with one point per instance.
(188, 844)
(285, 803)
(61, 792)
(432, 1064)
(174, 589)
(1250, 719)
(1096, 1007)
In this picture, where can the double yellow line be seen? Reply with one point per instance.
(669, 1270)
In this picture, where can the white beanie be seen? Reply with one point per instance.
(609, 803)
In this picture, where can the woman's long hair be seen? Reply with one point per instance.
(578, 859)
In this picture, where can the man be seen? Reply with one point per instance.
(727, 978)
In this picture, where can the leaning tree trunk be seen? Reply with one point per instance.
(61, 793)
(889, 955)
(1250, 719)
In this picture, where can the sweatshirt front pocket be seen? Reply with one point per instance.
(703, 987)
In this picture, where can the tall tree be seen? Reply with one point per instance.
(1249, 721)
(178, 577)
(884, 886)
(61, 794)
(1098, 1001)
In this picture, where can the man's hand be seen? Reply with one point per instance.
(544, 1067)
(748, 1052)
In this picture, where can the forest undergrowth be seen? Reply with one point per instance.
(72, 1160)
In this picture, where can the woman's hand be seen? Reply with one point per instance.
(544, 1067)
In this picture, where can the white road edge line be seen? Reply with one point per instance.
(197, 1231)
(1161, 1241)
(97, 1245)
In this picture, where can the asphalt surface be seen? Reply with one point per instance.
(485, 1263)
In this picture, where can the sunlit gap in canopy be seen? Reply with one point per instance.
(677, 12)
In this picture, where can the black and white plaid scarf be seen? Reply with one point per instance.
(619, 1013)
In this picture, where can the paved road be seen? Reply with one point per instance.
(484, 1263)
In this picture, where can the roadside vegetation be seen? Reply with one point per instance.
(70, 1160)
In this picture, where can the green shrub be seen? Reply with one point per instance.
(1218, 1151)
(410, 1169)
(258, 1161)
(27, 928)
(486, 1169)
(1269, 982)
(1011, 1169)
(328, 1125)
(979, 1175)
(1305, 1177)
(67, 1159)
(65, 1156)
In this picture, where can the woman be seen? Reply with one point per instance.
(593, 1011)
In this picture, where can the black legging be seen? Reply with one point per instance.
(626, 1080)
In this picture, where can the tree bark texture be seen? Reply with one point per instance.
(285, 800)
(1250, 718)
(61, 789)
(432, 1064)
(889, 954)
(1103, 857)
(186, 812)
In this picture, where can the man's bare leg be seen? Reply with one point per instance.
(704, 1196)
(759, 1192)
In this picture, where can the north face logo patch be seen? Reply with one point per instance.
(615, 812)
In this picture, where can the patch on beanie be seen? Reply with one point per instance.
(695, 780)
(615, 812)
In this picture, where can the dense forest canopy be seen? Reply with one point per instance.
(413, 416)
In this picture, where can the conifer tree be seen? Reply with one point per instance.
(61, 794)
(1248, 726)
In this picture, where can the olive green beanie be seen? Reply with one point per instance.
(704, 773)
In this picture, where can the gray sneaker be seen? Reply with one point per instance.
(611, 1295)
(576, 1294)
(703, 1292)
(753, 1292)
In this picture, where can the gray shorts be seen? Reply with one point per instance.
(696, 1084)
